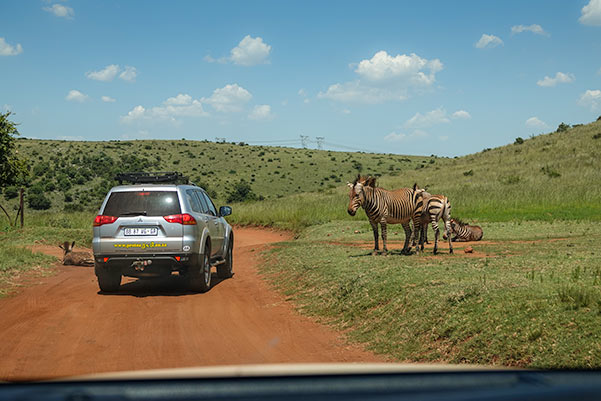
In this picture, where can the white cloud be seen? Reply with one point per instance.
(592, 99)
(261, 112)
(401, 137)
(230, 98)
(385, 78)
(382, 66)
(108, 99)
(346, 111)
(9, 50)
(591, 13)
(534, 28)
(302, 92)
(488, 41)
(61, 11)
(71, 138)
(129, 74)
(250, 51)
(434, 117)
(535, 122)
(76, 96)
(107, 74)
(461, 115)
(182, 105)
(560, 78)
(6, 108)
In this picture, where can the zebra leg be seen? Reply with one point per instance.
(436, 234)
(447, 226)
(374, 226)
(406, 250)
(384, 236)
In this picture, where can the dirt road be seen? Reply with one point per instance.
(64, 327)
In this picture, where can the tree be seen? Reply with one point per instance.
(12, 169)
(242, 192)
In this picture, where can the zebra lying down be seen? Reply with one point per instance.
(465, 232)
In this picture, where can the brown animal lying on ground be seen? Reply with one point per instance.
(464, 232)
(75, 258)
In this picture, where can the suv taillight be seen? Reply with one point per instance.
(100, 220)
(183, 218)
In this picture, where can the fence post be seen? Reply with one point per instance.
(21, 206)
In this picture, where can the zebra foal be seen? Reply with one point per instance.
(386, 207)
(465, 232)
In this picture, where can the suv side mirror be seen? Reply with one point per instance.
(225, 211)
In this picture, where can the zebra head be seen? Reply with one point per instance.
(356, 194)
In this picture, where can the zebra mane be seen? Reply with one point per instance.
(367, 180)
(459, 221)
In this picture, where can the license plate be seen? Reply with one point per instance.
(142, 231)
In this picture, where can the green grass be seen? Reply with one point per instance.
(504, 184)
(41, 227)
(535, 301)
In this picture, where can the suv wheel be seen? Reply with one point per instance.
(200, 279)
(225, 269)
(108, 281)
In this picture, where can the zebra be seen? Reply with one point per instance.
(386, 207)
(434, 208)
(465, 232)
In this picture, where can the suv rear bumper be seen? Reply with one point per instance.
(146, 266)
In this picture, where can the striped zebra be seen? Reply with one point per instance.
(386, 207)
(465, 232)
(434, 208)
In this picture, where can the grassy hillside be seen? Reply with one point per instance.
(78, 174)
(547, 177)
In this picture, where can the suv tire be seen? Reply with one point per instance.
(200, 279)
(225, 270)
(108, 281)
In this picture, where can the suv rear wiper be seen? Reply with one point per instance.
(137, 213)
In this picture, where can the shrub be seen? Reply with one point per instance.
(562, 127)
(519, 140)
(242, 192)
(38, 201)
(468, 173)
(11, 192)
(597, 136)
(550, 172)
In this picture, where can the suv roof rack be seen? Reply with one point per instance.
(167, 177)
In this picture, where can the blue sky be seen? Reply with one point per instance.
(445, 78)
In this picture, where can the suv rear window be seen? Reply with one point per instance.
(147, 203)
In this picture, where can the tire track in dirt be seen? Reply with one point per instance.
(65, 327)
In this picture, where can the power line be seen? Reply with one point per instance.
(320, 140)
(304, 140)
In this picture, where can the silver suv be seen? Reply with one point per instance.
(157, 226)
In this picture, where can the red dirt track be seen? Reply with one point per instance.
(64, 326)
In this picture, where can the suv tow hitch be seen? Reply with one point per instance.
(139, 264)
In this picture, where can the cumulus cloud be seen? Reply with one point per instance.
(535, 122)
(107, 74)
(250, 51)
(261, 112)
(488, 41)
(401, 137)
(61, 11)
(385, 78)
(461, 115)
(434, 117)
(182, 105)
(591, 13)
(411, 67)
(76, 96)
(129, 74)
(534, 28)
(591, 99)
(560, 78)
(108, 99)
(230, 98)
(9, 50)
